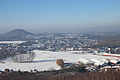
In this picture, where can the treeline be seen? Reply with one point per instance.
(112, 43)
(106, 40)
(104, 36)
(11, 54)
(26, 57)
(112, 74)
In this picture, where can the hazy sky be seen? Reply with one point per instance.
(59, 15)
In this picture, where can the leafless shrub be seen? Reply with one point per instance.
(60, 62)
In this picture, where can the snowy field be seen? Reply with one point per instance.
(12, 42)
(46, 60)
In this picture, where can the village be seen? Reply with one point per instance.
(57, 54)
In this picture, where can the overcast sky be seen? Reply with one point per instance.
(59, 15)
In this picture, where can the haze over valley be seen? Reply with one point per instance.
(59, 39)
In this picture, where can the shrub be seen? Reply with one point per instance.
(60, 62)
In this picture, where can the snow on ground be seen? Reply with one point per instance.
(46, 60)
(13, 42)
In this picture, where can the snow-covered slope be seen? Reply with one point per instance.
(46, 60)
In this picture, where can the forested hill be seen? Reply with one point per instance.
(107, 40)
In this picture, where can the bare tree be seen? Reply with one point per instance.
(26, 57)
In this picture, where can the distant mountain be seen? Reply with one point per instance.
(17, 34)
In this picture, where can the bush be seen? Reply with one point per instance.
(60, 62)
